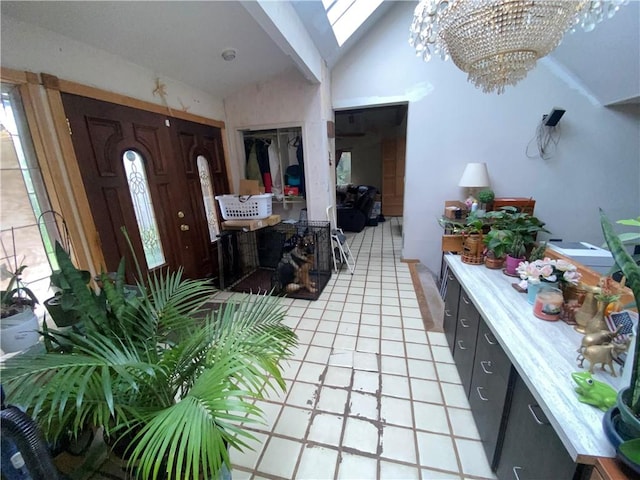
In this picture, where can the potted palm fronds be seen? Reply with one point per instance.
(627, 424)
(162, 372)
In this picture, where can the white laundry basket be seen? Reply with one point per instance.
(245, 207)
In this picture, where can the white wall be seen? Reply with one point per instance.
(284, 101)
(450, 123)
(31, 48)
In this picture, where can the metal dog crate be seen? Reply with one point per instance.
(249, 260)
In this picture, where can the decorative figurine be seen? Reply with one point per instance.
(598, 338)
(602, 354)
(594, 392)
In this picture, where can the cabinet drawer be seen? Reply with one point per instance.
(531, 449)
(465, 340)
(489, 388)
(451, 300)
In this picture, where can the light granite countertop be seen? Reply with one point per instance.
(543, 353)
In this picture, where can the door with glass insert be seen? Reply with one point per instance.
(133, 177)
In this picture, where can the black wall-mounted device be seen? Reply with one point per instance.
(554, 117)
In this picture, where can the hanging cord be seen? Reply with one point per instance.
(161, 91)
(64, 237)
(546, 140)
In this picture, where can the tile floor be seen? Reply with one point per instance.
(370, 395)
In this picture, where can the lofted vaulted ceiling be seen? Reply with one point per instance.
(185, 40)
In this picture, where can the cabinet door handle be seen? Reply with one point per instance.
(480, 394)
(447, 313)
(460, 345)
(461, 320)
(451, 277)
(484, 368)
(515, 472)
(535, 417)
(465, 300)
(489, 341)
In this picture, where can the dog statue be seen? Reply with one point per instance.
(292, 273)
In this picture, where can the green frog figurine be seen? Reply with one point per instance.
(594, 392)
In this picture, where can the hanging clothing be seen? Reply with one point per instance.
(252, 168)
(274, 167)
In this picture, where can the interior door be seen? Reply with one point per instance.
(393, 162)
(104, 136)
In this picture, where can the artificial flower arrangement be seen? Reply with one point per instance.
(548, 270)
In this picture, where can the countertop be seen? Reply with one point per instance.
(544, 354)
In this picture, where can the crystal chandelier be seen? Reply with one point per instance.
(497, 42)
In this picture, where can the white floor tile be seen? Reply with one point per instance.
(311, 373)
(398, 444)
(364, 405)
(365, 381)
(473, 458)
(436, 451)
(427, 391)
(395, 386)
(326, 428)
(370, 331)
(302, 395)
(396, 471)
(422, 369)
(462, 423)
(413, 323)
(431, 417)
(318, 354)
(371, 345)
(333, 400)
(420, 352)
(345, 342)
(293, 422)
(454, 395)
(441, 354)
(393, 348)
(389, 333)
(333, 315)
(447, 372)
(357, 467)
(365, 361)
(437, 338)
(280, 457)
(361, 435)
(328, 326)
(316, 463)
(341, 358)
(346, 328)
(396, 411)
(428, 474)
(393, 365)
(338, 376)
(323, 339)
(270, 412)
(308, 324)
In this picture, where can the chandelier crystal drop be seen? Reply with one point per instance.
(497, 42)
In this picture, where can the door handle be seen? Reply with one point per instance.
(465, 300)
(480, 394)
(447, 313)
(535, 417)
(484, 368)
(465, 325)
(460, 346)
(515, 472)
(489, 341)
(184, 227)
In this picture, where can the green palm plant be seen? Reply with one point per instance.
(160, 368)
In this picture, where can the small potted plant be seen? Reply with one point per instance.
(627, 411)
(497, 242)
(485, 197)
(19, 322)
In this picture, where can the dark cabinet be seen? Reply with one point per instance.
(490, 382)
(451, 299)
(465, 340)
(531, 448)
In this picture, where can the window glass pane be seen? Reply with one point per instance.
(24, 238)
(143, 207)
(208, 197)
(343, 170)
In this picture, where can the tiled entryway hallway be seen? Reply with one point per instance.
(370, 393)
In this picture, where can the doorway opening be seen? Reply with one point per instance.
(373, 140)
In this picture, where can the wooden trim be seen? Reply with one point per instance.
(73, 198)
(74, 88)
(50, 81)
(409, 260)
(16, 77)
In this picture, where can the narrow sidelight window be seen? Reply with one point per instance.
(208, 197)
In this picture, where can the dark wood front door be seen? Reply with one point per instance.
(105, 136)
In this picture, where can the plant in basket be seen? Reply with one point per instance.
(624, 419)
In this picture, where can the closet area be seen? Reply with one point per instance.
(275, 158)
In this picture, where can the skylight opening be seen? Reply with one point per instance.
(346, 16)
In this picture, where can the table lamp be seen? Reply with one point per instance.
(475, 176)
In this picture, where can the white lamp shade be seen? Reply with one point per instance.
(475, 175)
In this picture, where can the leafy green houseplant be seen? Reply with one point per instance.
(629, 397)
(162, 368)
(18, 320)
